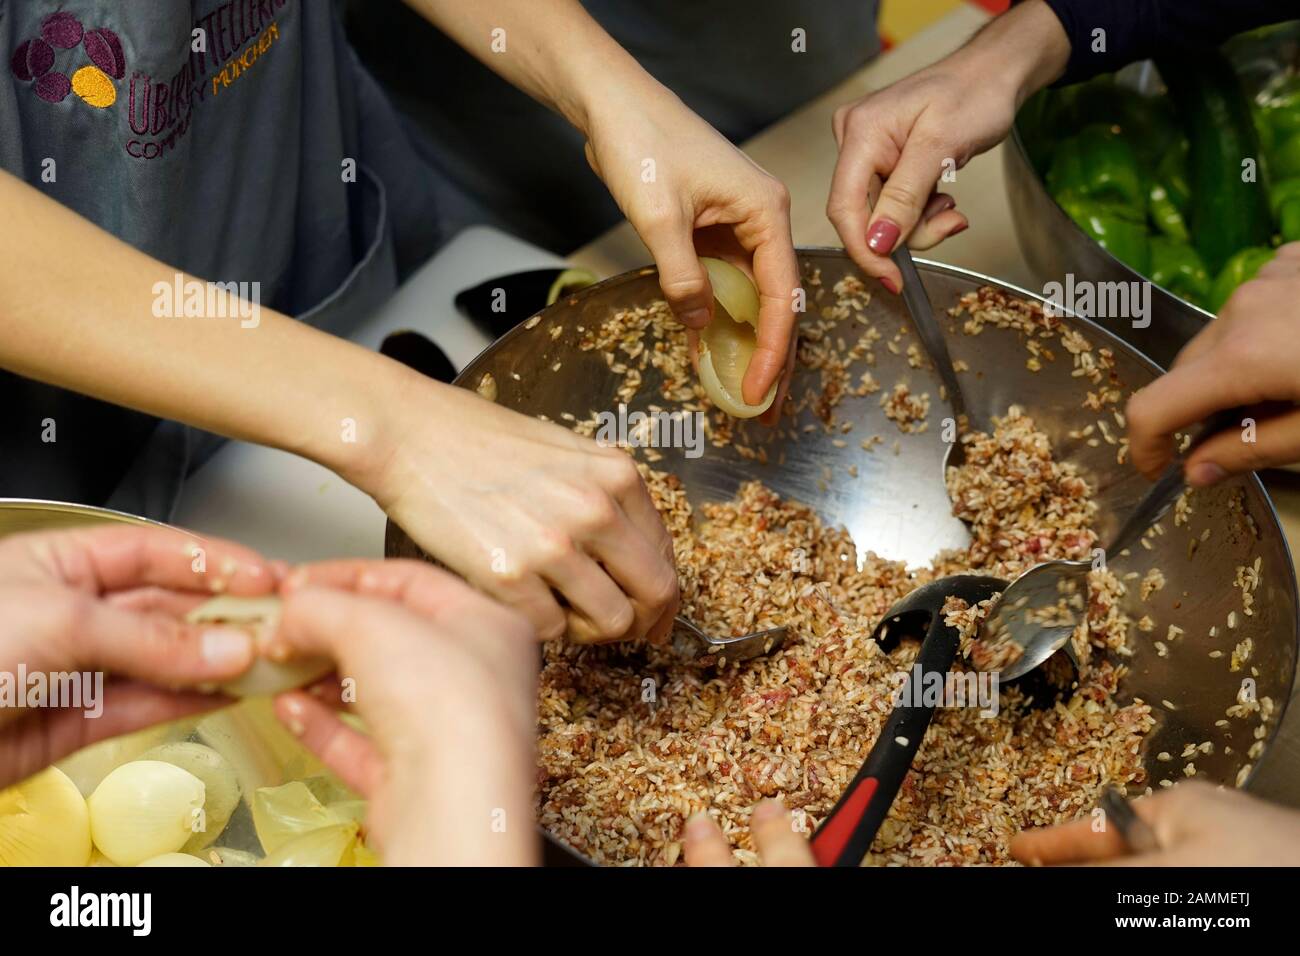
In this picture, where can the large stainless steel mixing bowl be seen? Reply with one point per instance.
(898, 507)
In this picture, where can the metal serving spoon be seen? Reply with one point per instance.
(846, 835)
(1040, 609)
(936, 347)
(689, 642)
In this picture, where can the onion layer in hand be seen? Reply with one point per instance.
(265, 677)
(727, 346)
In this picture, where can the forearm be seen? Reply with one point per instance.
(1028, 46)
(77, 309)
(551, 49)
(1105, 35)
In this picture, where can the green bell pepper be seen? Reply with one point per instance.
(1170, 193)
(1281, 108)
(1099, 165)
(1178, 268)
(1096, 178)
(1147, 122)
(1284, 160)
(1114, 229)
(1240, 267)
(1284, 198)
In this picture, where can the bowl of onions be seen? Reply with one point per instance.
(228, 788)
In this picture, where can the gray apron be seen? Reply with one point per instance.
(227, 163)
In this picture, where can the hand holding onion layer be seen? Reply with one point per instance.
(728, 343)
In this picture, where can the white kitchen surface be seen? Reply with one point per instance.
(291, 508)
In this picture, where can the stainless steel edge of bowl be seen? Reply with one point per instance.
(1054, 246)
(897, 505)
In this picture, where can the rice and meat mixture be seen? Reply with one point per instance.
(633, 740)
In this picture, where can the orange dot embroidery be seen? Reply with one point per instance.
(93, 85)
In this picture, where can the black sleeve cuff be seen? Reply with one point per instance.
(1108, 34)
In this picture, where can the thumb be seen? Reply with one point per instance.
(1258, 443)
(682, 276)
(153, 647)
(903, 196)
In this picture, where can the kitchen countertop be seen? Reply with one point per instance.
(800, 151)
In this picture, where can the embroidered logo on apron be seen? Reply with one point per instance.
(34, 61)
(236, 35)
(226, 44)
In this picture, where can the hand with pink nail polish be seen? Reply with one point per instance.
(446, 683)
(110, 601)
(897, 144)
(1248, 357)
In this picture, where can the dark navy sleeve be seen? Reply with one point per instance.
(1138, 29)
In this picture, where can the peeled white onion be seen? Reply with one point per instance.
(220, 786)
(44, 822)
(89, 765)
(727, 345)
(265, 677)
(175, 859)
(326, 846)
(144, 809)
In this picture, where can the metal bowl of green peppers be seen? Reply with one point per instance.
(1183, 173)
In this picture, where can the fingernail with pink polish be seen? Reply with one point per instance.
(695, 318)
(961, 227)
(889, 284)
(882, 236)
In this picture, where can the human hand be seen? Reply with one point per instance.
(446, 683)
(529, 513)
(111, 599)
(1246, 357)
(1195, 824)
(690, 193)
(770, 824)
(897, 143)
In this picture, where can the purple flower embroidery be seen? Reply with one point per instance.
(53, 87)
(61, 30)
(32, 59)
(105, 51)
